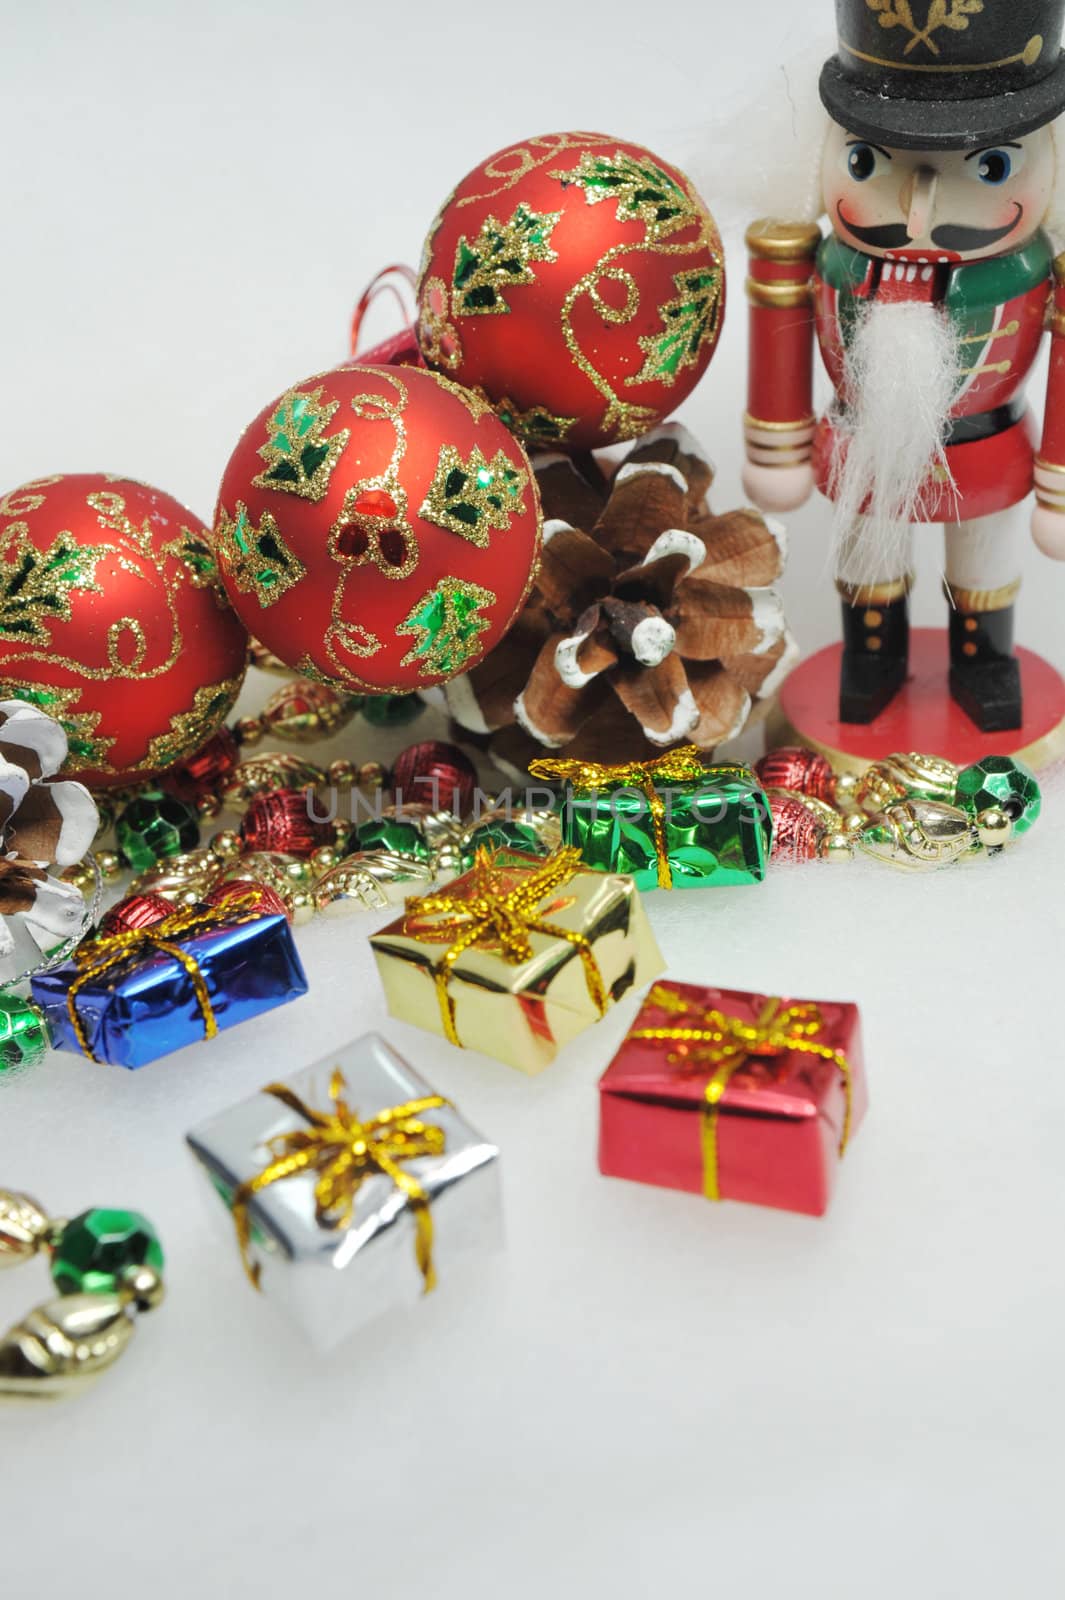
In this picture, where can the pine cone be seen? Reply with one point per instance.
(654, 628)
(41, 822)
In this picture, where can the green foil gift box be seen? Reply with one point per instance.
(677, 822)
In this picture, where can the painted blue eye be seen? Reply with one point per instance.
(861, 161)
(994, 166)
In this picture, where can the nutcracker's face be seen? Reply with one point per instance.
(932, 206)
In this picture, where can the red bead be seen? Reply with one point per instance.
(797, 833)
(246, 894)
(804, 771)
(211, 764)
(436, 774)
(283, 820)
(136, 911)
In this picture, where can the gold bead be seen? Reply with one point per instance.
(110, 865)
(24, 1228)
(837, 847)
(993, 828)
(372, 775)
(853, 823)
(303, 906)
(227, 845)
(342, 773)
(846, 787)
(248, 730)
(143, 1286)
(80, 877)
(209, 806)
(342, 832)
(299, 871)
(324, 858)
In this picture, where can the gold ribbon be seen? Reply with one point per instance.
(492, 910)
(683, 765)
(102, 955)
(727, 1044)
(343, 1152)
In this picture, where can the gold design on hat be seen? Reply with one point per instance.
(1027, 57)
(899, 14)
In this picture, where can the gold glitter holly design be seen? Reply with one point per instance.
(499, 259)
(689, 321)
(86, 751)
(446, 624)
(37, 586)
(299, 454)
(641, 190)
(256, 558)
(676, 224)
(536, 426)
(473, 498)
(953, 14)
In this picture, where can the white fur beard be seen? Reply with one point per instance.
(901, 376)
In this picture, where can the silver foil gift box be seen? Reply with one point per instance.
(351, 1188)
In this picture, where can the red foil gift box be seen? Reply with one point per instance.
(734, 1096)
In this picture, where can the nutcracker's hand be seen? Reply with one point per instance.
(778, 488)
(1048, 531)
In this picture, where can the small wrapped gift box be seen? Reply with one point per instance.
(133, 996)
(351, 1187)
(734, 1096)
(673, 823)
(517, 959)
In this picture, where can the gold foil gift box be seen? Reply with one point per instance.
(517, 959)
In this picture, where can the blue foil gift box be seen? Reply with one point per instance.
(131, 998)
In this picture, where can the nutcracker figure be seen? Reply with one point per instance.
(928, 298)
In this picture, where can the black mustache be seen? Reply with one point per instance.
(955, 237)
(951, 236)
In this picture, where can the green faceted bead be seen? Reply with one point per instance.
(393, 834)
(1001, 781)
(156, 825)
(23, 1034)
(94, 1250)
(507, 836)
(391, 710)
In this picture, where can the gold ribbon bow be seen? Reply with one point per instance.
(726, 1044)
(684, 765)
(490, 909)
(343, 1152)
(102, 955)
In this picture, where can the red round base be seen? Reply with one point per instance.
(922, 715)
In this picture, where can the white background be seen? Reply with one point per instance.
(646, 1395)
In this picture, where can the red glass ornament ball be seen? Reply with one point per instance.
(805, 771)
(247, 895)
(112, 620)
(136, 911)
(437, 774)
(579, 280)
(283, 820)
(378, 528)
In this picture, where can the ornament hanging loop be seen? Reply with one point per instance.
(387, 281)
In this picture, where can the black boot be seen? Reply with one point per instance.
(876, 649)
(985, 676)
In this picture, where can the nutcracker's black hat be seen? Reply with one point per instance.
(946, 74)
